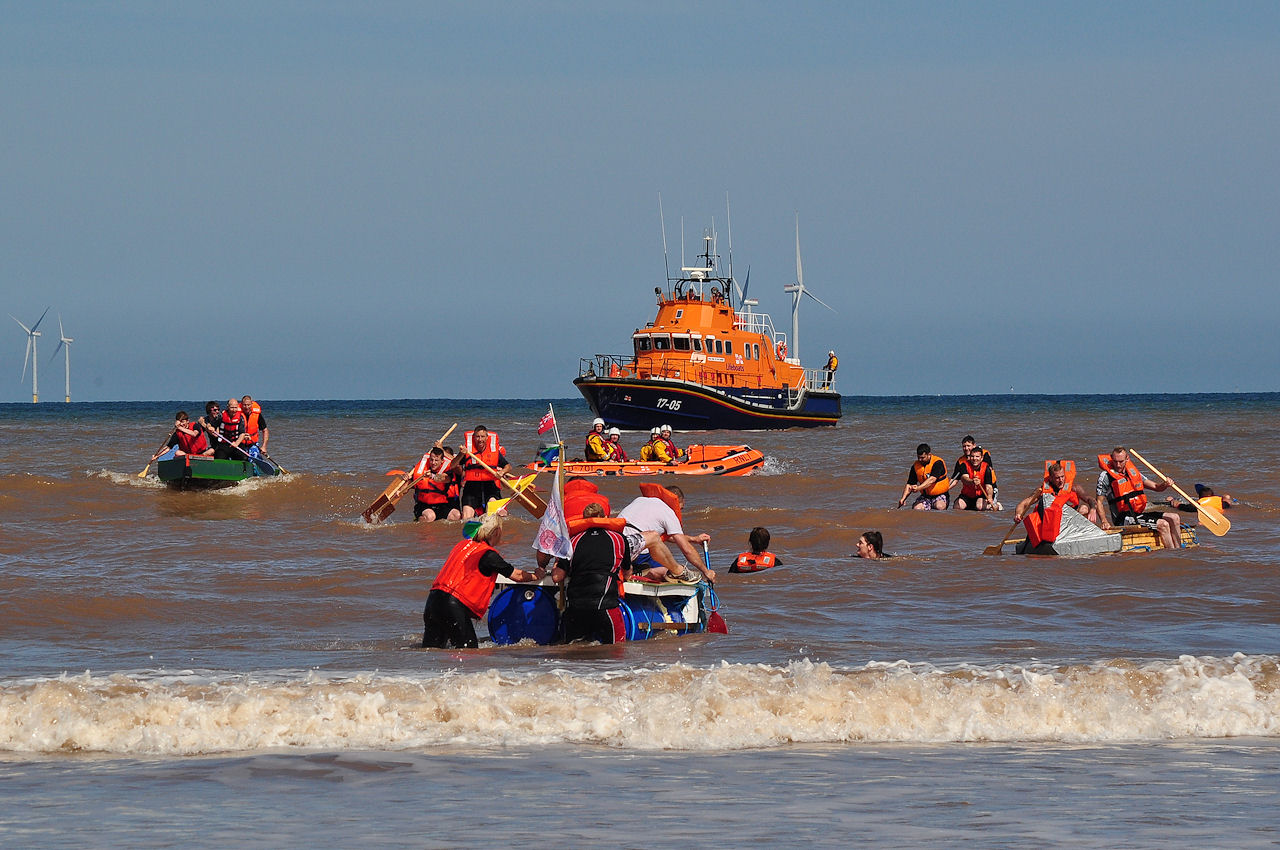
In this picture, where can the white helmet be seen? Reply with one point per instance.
(831, 353)
(666, 429)
(614, 432)
(655, 431)
(596, 421)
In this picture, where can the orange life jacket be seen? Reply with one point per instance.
(973, 488)
(754, 562)
(1213, 502)
(472, 471)
(430, 492)
(608, 523)
(1044, 523)
(938, 487)
(251, 424)
(579, 494)
(460, 577)
(657, 491)
(1127, 496)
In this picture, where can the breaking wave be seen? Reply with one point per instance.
(677, 707)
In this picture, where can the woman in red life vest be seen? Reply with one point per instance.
(759, 558)
(464, 587)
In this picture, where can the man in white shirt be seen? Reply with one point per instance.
(648, 520)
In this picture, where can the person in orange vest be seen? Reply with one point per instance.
(1041, 512)
(479, 484)
(1122, 499)
(435, 493)
(759, 558)
(1206, 498)
(977, 483)
(928, 479)
(185, 439)
(255, 426)
(966, 446)
(462, 590)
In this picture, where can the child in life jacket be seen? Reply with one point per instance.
(759, 558)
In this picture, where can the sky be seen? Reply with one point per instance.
(414, 199)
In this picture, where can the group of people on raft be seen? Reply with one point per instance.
(604, 445)
(232, 433)
(458, 483)
(974, 473)
(607, 550)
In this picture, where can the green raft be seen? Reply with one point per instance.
(187, 472)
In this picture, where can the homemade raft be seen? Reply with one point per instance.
(529, 611)
(1079, 537)
(194, 472)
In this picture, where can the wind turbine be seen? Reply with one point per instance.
(64, 341)
(32, 333)
(797, 291)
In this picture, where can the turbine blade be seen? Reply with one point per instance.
(24, 327)
(799, 268)
(54, 356)
(41, 319)
(25, 358)
(61, 333)
(746, 285)
(820, 301)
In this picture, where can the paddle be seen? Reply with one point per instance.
(531, 502)
(995, 550)
(385, 505)
(272, 461)
(715, 623)
(143, 473)
(1211, 519)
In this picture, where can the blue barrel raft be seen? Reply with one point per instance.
(531, 611)
(523, 612)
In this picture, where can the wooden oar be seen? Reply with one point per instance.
(531, 502)
(385, 505)
(995, 550)
(143, 473)
(1209, 518)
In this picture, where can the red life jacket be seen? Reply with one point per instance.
(251, 424)
(192, 445)
(1044, 523)
(749, 562)
(460, 577)
(472, 471)
(231, 426)
(974, 487)
(1127, 496)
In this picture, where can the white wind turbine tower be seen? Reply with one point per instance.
(64, 341)
(32, 333)
(797, 291)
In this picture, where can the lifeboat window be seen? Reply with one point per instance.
(746, 350)
(728, 346)
(755, 348)
(719, 346)
(697, 344)
(642, 343)
(680, 343)
(661, 343)
(679, 313)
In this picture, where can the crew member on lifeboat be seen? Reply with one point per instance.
(616, 452)
(597, 442)
(759, 558)
(655, 451)
(673, 451)
(929, 480)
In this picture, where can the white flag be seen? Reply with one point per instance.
(553, 531)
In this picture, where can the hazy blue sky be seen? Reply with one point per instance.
(384, 199)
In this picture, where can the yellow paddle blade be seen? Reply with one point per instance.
(496, 505)
(521, 483)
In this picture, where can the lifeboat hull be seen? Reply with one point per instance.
(640, 404)
(698, 460)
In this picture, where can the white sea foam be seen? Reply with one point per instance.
(730, 706)
(130, 479)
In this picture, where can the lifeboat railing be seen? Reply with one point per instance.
(758, 323)
(624, 366)
(607, 366)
